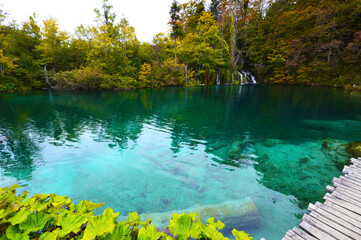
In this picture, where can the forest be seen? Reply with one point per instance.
(303, 42)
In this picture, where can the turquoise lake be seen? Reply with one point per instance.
(170, 149)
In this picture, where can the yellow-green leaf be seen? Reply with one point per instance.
(35, 222)
(240, 235)
(101, 225)
(149, 233)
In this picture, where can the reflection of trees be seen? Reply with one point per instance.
(226, 119)
(29, 121)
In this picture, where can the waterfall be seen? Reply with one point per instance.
(253, 79)
(218, 79)
(47, 77)
(248, 76)
(241, 77)
(245, 75)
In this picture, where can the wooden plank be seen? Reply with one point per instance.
(335, 206)
(355, 161)
(324, 227)
(305, 225)
(346, 170)
(345, 198)
(349, 184)
(350, 188)
(346, 184)
(340, 215)
(343, 204)
(351, 191)
(352, 168)
(346, 180)
(351, 180)
(347, 194)
(334, 218)
(303, 234)
(342, 197)
(330, 189)
(335, 225)
(293, 235)
(286, 238)
(356, 176)
(353, 172)
(343, 214)
(356, 166)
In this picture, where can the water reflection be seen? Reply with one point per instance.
(141, 150)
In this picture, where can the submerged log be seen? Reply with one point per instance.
(237, 214)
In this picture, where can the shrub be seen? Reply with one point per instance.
(49, 216)
(85, 78)
(118, 82)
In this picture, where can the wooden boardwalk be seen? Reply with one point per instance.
(339, 217)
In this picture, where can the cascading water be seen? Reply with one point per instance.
(47, 77)
(248, 76)
(245, 75)
(241, 77)
(253, 79)
(218, 80)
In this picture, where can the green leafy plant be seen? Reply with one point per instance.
(52, 217)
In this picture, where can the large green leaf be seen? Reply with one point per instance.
(59, 201)
(211, 230)
(100, 226)
(19, 217)
(14, 233)
(85, 206)
(240, 235)
(48, 236)
(21, 236)
(12, 230)
(133, 217)
(120, 232)
(35, 222)
(69, 223)
(150, 233)
(90, 205)
(36, 204)
(185, 226)
(13, 207)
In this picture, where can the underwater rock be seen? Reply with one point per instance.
(303, 160)
(271, 142)
(324, 145)
(354, 148)
(234, 214)
(235, 149)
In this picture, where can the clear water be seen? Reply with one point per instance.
(169, 149)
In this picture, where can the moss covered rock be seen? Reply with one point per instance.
(354, 148)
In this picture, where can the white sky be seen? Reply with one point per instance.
(149, 17)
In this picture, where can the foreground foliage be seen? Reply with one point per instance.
(49, 216)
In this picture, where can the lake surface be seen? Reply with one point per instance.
(169, 149)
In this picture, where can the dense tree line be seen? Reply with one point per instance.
(279, 41)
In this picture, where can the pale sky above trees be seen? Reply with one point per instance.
(149, 17)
